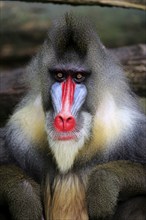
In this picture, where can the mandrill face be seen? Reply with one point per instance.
(68, 124)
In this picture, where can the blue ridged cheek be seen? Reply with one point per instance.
(56, 95)
(79, 98)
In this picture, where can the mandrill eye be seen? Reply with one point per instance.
(60, 77)
(79, 77)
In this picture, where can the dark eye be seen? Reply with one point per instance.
(60, 76)
(79, 77)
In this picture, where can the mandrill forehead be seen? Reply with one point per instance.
(71, 67)
(70, 60)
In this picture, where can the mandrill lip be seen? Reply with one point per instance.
(75, 135)
(65, 138)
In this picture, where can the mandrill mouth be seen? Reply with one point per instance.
(57, 135)
(65, 138)
(81, 130)
(63, 131)
(65, 128)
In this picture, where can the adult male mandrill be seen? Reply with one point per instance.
(78, 131)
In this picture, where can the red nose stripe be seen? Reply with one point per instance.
(68, 89)
(64, 121)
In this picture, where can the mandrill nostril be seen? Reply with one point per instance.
(69, 119)
(64, 123)
(61, 119)
(59, 123)
(69, 124)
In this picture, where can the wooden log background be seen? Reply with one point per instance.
(139, 4)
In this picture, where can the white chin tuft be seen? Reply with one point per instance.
(65, 151)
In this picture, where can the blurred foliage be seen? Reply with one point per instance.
(116, 26)
(24, 27)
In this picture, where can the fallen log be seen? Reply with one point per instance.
(138, 4)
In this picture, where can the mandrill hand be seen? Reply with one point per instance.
(113, 182)
(20, 193)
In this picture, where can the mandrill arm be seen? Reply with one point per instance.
(20, 193)
(115, 188)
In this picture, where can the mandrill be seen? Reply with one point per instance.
(78, 135)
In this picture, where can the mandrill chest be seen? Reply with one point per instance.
(66, 198)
